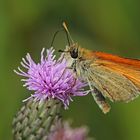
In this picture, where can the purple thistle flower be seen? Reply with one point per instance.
(63, 131)
(50, 78)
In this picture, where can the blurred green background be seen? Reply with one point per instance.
(111, 26)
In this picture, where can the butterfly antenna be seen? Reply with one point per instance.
(54, 36)
(68, 33)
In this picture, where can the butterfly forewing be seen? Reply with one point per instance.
(117, 80)
(130, 68)
(113, 85)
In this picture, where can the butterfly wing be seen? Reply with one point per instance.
(117, 78)
(128, 67)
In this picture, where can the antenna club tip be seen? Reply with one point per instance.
(65, 26)
(64, 23)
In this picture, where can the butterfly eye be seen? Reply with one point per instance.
(74, 53)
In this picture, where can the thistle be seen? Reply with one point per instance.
(63, 131)
(53, 85)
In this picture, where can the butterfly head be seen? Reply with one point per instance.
(73, 50)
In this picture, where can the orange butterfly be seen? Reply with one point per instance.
(107, 75)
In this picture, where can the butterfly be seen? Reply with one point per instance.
(108, 76)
